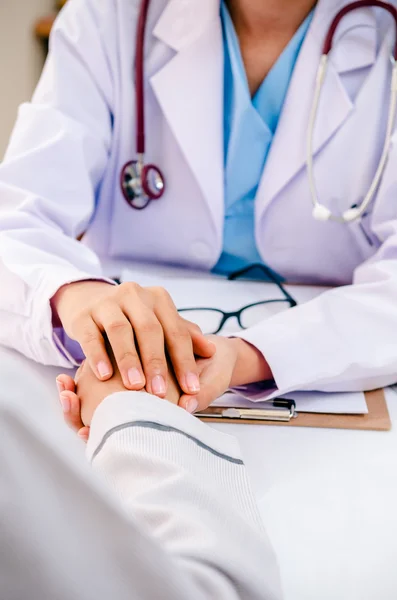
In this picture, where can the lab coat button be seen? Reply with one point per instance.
(201, 250)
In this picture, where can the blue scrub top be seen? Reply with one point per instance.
(249, 127)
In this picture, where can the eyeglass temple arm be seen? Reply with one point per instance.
(270, 275)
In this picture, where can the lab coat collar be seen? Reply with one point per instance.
(189, 89)
(183, 21)
(287, 156)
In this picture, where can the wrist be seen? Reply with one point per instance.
(251, 366)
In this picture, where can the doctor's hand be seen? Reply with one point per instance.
(141, 325)
(234, 364)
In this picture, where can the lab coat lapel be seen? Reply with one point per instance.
(287, 156)
(189, 89)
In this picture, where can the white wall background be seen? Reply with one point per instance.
(21, 57)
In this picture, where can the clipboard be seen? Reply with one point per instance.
(282, 412)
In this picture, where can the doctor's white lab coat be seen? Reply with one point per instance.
(60, 178)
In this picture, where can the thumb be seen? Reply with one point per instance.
(210, 391)
(202, 346)
(188, 403)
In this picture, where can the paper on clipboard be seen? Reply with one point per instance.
(315, 402)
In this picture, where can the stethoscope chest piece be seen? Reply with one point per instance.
(141, 184)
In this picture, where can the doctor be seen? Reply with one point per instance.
(228, 93)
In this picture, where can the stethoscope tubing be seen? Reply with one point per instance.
(139, 77)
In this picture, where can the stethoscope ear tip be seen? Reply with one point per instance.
(351, 215)
(321, 213)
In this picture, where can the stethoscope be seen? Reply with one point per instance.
(141, 183)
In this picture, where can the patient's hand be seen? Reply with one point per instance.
(81, 397)
(92, 392)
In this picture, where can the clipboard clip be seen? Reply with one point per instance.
(281, 409)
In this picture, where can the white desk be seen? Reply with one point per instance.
(328, 497)
(329, 501)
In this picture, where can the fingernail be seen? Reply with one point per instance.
(135, 377)
(192, 406)
(60, 386)
(158, 385)
(103, 369)
(65, 402)
(192, 382)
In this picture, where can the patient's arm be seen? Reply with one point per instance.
(177, 520)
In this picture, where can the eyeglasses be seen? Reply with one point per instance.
(213, 320)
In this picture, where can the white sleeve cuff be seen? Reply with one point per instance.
(303, 348)
(50, 348)
(125, 408)
(293, 354)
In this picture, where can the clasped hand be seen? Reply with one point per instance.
(81, 397)
(134, 338)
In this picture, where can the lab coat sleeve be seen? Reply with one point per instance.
(177, 522)
(49, 180)
(345, 339)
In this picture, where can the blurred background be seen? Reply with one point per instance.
(24, 29)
